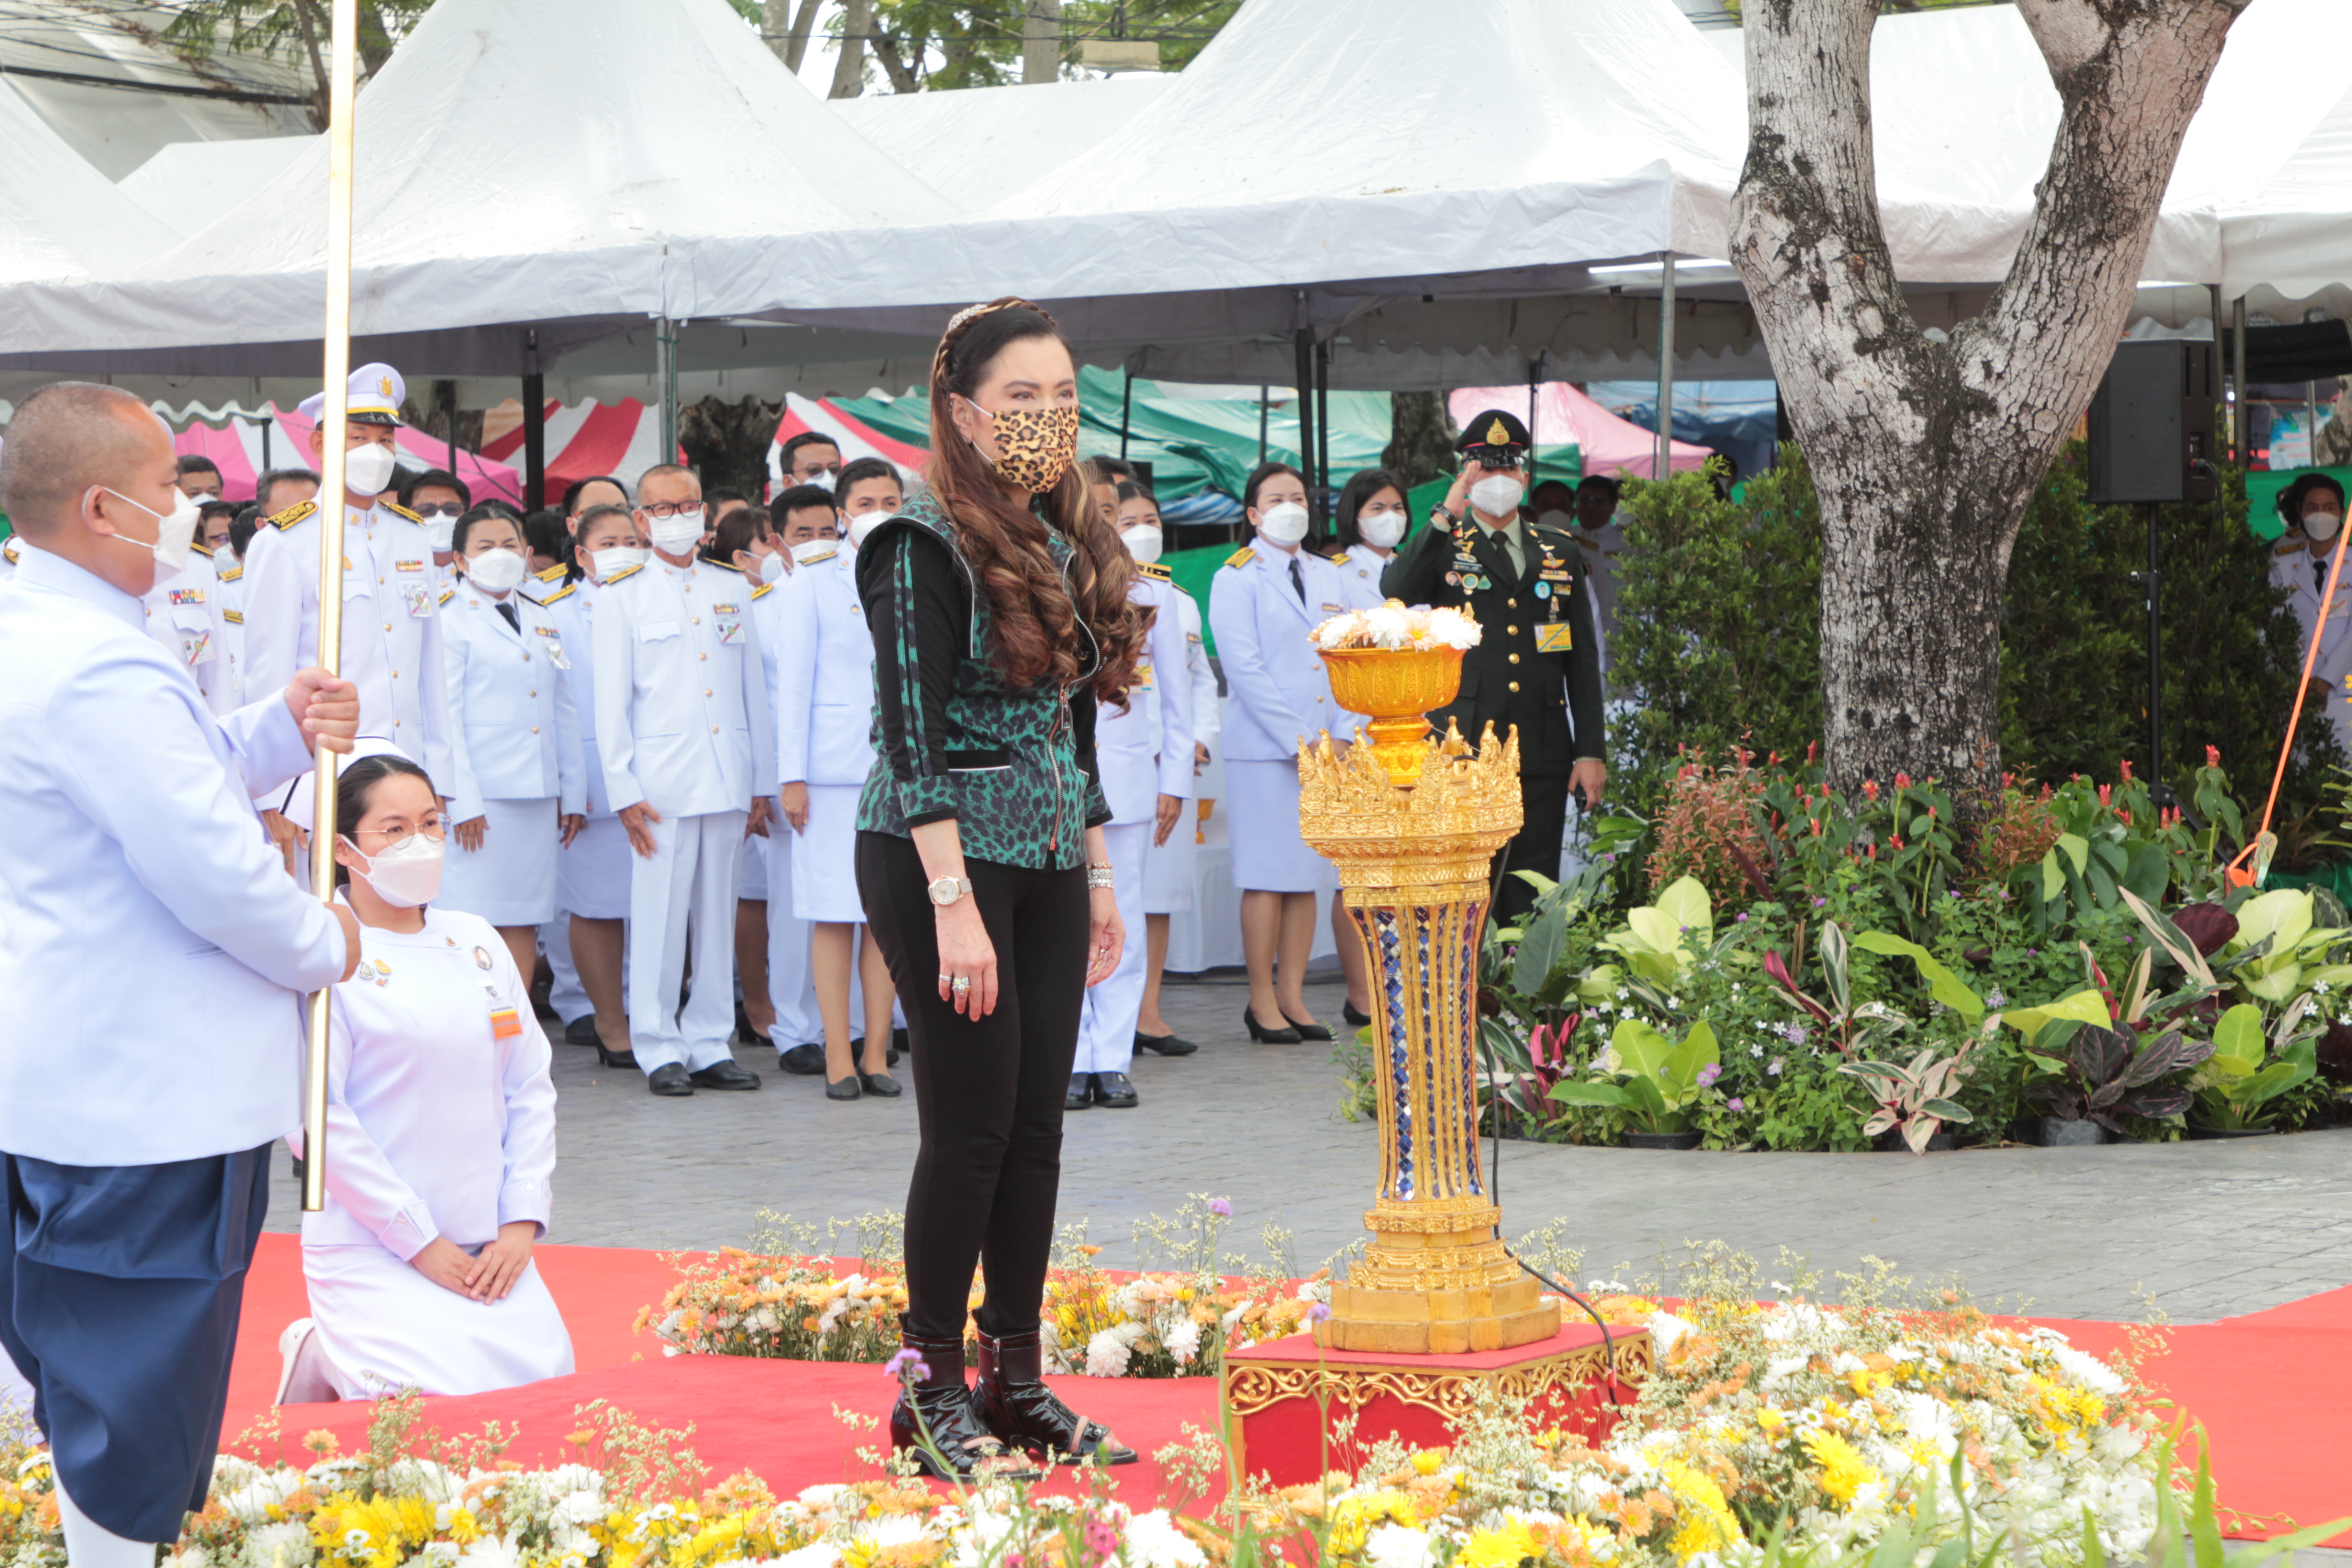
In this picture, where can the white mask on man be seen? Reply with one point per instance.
(1497, 495)
(174, 531)
(367, 470)
(809, 549)
(678, 534)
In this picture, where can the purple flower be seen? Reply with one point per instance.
(1775, 1068)
(2033, 952)
(1708, 1074)
(1818, 902)
(1743, 914)
(1319, 1313)
(1221, 1208)
(907, 1363)
(1735, 1103)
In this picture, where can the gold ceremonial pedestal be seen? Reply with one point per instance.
(1413, 826)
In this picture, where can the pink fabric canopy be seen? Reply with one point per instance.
(1566, 418)
(235, 450)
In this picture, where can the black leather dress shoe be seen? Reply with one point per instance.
(1357, 1017)
(841, 1087)
(581, 1031)
(670, 1079)
(1082, 1092)
(1115, 1089)
(1166, 1044)
(879, 1083)
(726, 1075)
(1264, 1035)
(806, 1061)
(1309, 1031)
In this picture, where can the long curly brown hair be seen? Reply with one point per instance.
(1035, 617)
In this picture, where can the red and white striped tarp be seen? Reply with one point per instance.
(584, 441)
(855, 438)
(236, 449)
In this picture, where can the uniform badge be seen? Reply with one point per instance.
(1543, 589)
(196, 648)
(419, 597)
(1335, 609)
(408, 565)
(505, 1023)
(482, 957)
(728, 621)
(375, 970)
(187, 596)
(1453, 579)
(1555, 636)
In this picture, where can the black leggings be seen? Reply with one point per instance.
(988, 1094)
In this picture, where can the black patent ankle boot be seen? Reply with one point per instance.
(1024, 1414)
(935, 1422)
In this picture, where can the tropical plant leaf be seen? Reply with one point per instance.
(1947, 1111)
(1942, 984)
(1539, 949)
(2176, 942)
(2077, 849)
(2240, 1033)
(2084, 1006)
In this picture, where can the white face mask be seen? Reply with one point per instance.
(1143, 541)
(808, 550)
(2322, 524)
(1381, 530)
(368, 469)
(678, 534)
(499, 571)
(1283, 524)
(406, 874)
(769, 569)
(202, 498)
(1497, 495)
(619, 558)
(865, 524)
(174, 531)
(1555, 519)
(441, 530)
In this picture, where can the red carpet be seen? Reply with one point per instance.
(2273, 1390)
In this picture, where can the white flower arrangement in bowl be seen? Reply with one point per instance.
(1393, 628)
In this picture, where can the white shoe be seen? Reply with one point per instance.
(303, 1371)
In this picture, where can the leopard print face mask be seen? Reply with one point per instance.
(1035, 446)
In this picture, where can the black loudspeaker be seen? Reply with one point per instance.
(2152, 425)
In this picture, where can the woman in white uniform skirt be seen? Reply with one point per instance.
(441, 1133)
(825, 709)
(1168, 859)
(592, 871)
(520, 790)
(1366, 524)
(1267, 601)
(746, 540)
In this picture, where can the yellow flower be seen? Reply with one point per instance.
(1505, 1546)
(1428, 1460)
(1844, 1471)
(1709, 1523)
(1352, 1519)
(1771, 1422)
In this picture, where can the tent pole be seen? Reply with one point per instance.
(1262, 392)
(268, 418)
(1125, 406)
(665, 384)
(2311, 420)
(1534, 461)
(1663, 464)
(1322, 423)
(449, 412)
(2241, 429)
(534, 442)
(1303, 350)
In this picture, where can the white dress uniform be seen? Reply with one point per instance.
(1168, 868)
(683, 725)
(1281, 694)
(519, 766)
(792, 983)
(825, 716)
(232, 614)
(591, 876)
(1141, 754)
(441, 1122)
(8, 548)
(391, 624)
(2302, 574)
(183, 616)
(1359, 568)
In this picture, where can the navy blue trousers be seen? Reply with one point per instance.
(119, 1297)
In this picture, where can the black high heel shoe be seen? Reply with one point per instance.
(1356, 1017)
(1019, 1411)
(615, 1058)
(1264, 1035)
(1309, 1031)
(950, 1428)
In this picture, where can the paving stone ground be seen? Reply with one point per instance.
(2199, 1231)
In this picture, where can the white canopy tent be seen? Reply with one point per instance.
(978, 145)
(190, 184)
(58, 216)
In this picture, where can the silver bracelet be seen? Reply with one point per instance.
(1098, 875)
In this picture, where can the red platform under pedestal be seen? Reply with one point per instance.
(1283, 1397)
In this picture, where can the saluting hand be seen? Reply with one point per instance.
(326, 707)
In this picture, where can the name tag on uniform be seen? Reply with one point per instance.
(187, 596)
(1143, 675)
(419, 597)
(408, 565)
(555, 654)
(1335, 609)
(505, 1023)
(196, 648)
(728, 619)
(1554, 636)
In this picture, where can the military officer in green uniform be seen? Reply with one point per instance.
(1536, 664)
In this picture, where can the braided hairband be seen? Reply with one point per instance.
(970, 313)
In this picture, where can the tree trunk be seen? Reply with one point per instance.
(1925, 453)
(894, 64)
(1421, 438)
(849, 66)
(727, 443)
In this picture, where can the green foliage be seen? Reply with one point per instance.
(945, 45)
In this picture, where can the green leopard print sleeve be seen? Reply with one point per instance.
(912, 718)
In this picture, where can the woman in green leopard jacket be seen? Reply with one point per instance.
(999, 611)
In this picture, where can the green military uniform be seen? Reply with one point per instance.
(1537, 664)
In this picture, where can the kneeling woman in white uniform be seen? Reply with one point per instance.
(520, 789)
(441, 1132)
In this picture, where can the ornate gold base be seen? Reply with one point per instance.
(1437, 1281)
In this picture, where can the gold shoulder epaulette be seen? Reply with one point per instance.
(447, 595)
(527, 599)
(2288, 547)
(763, 589)
(1240, 557)
(1338, 557)
(723, 565)
(553, 574)
(234, 617)
(232, 574)
(1156, 571)
(624, 571)
(200, 548)
(9, 549)
(394, 507)
(563, 593)
(293, 514)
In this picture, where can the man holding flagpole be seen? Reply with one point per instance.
(151, 1043)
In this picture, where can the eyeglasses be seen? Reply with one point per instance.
(680, 509)
(815, 474)
(434, 829)
(447, 508)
